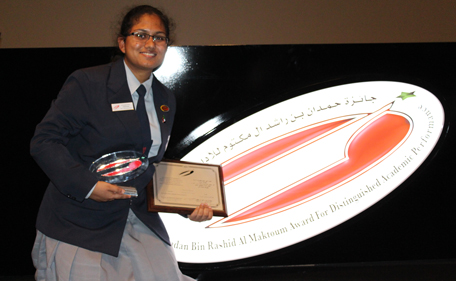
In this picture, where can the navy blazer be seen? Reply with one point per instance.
(80, 127)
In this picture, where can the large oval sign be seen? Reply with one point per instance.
(305, 165)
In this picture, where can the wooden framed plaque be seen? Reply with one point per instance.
(180, 187)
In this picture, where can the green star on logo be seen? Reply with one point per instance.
(405, 95)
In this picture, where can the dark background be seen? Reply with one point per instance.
(415, 222)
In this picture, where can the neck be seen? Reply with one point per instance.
(142, 77)
(140, 74)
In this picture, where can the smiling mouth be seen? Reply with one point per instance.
(149, 54)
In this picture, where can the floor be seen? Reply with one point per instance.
(391, 271)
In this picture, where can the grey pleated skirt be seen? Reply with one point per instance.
(142, 257)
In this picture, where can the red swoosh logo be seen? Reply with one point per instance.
(366, 148)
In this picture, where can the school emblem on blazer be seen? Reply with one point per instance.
(164, 108)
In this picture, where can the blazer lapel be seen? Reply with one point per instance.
(164, 115)
(120, 93)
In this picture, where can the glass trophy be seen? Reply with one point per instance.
(121, 166)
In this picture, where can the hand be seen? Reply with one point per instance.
(202, 213)
(104, 192)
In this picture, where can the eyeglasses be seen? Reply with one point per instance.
(143, 37)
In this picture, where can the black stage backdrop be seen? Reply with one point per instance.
(415, 222)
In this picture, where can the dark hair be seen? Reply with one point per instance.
(132, 17)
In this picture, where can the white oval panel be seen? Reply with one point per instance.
(306, 165)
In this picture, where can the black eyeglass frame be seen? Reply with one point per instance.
(154, 37)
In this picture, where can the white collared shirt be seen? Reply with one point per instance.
(133, 84)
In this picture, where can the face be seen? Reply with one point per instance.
(142, 58)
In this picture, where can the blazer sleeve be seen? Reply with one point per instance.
(66, 117)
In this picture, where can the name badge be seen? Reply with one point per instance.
(122, 106)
